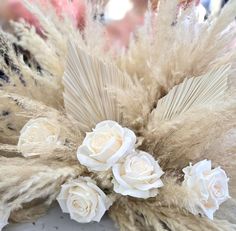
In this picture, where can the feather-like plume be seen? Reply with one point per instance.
(48, 24)
(192, 93)
(159, 214)
(180, 46)
(87, 82)
(37, 181)
(15, 111)
(23, 77)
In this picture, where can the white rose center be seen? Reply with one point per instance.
(218, 190)
(140, 167)
(106, 140)
(81, 207)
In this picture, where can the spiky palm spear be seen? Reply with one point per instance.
(174, 87)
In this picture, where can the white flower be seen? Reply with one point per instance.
(137, 176)
(38, 136)
(210, 186)
(4, 216)
(108, 143)
(83, 200)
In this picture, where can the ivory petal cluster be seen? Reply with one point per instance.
(105, 145)
(83, 200)
(137, 175)
(210, 186)
(38, 136)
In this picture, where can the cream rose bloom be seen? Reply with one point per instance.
(105, 145)
(38, 136)
(83, 200)
(138, 175)
(210, 186)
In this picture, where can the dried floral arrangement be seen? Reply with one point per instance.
(140, 133)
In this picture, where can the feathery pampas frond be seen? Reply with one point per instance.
(163, 214)
(24, 78)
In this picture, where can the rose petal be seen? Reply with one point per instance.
(100, 210)
(219, 179)
(108, 123)
(202, 167)
(83, 157)
(4, 216)
(157, 184)
(133, 192)
(127, 146)
(209, 207)
(63, 205)
(132, 178)
(117, 177)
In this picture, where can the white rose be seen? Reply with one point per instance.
(210, 186)
(38, 136)
(108, 143)
(83, 200)
(138, 175)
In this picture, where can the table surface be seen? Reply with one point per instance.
(55, 220)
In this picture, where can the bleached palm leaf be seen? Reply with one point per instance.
(87, 81)
(193, 92)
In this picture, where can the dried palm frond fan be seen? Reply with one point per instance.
(170, 97)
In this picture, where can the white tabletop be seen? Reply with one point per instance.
(57, 221)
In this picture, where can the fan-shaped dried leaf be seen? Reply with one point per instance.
(87, 82)
(192, 93)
